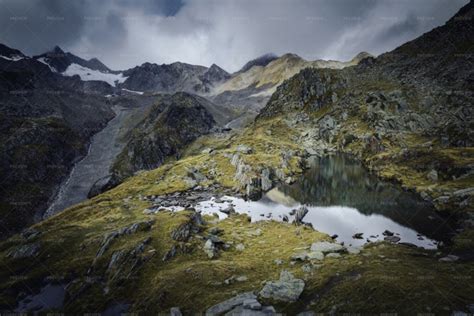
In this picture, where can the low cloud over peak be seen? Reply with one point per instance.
(124, 33)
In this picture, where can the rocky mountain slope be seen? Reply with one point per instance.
(172, 123)
(249, 89)
(126, 251)
(46, 120)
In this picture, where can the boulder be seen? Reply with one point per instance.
(286, 289)
(229, 304)
(432, 175)
(210, 249)
(327, 247)
(175, 311)
(300, 214)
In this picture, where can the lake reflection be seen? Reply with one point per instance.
(344, 199)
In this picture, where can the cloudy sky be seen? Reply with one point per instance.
(124, 33)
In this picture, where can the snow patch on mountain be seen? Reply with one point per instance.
(12, 58)
(88, 74)
(42, 60)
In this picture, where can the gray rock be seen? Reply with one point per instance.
(300, 214)
(266, 181)
(170, 253)
(229, 304)
(392, 239)
(432, 175)
(185, 230)
(244, 149)
(327, 247)
(175, 311)
(333, 255)
(300, 256)
(286, 289)
(449, 258)
(315, 255)
(252, 303)
(210, 249)
(228, 210)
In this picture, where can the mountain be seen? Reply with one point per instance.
(170, 78)
(249, 89)
(259, 61)
(172, 123)
(46, 122)
(60, 61)
(214, 74)
(88, 70)
(10, 53)
(142, 247)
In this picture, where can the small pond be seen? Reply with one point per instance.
(344, 199)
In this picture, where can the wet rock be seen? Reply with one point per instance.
(387, 233)
(228, 210)
(286, 289)
(284, 218)
(175, 311)
(300, 214)
(392, 239)
(265, 179)
(358, 236)
(254, 188)
(327, 247)
(25, 251)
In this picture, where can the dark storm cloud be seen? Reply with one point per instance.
(124, 33)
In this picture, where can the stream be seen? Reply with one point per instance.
(344, 199)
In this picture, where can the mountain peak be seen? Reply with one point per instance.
(360, 56)
(263, 60)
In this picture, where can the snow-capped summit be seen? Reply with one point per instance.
(69, 64)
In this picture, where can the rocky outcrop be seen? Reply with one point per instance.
(174, 122)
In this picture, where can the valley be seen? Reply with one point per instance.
(288, 187)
